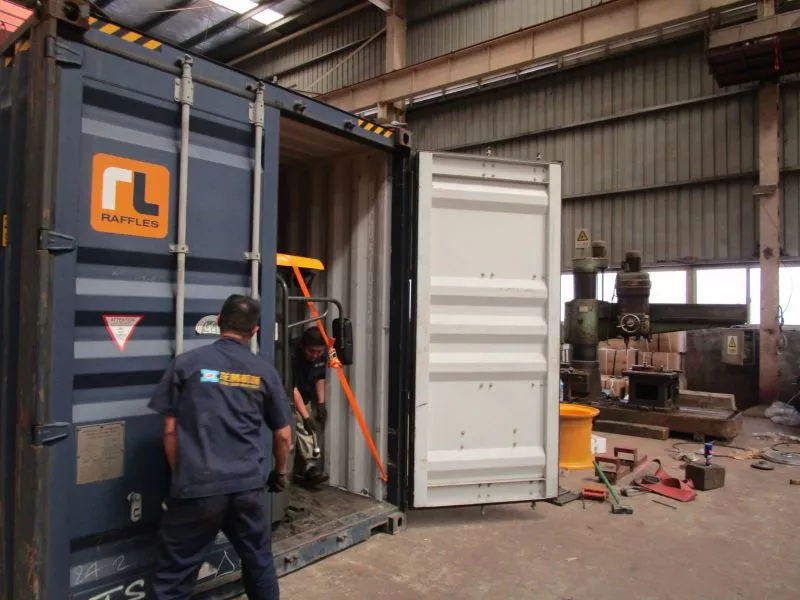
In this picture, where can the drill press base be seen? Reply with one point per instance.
(718, 424)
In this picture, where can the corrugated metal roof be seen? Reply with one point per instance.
(322, 59)
(446, 25)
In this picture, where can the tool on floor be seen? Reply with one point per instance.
(594, 491)
(631, 491)
(622, 461)
(337, 365)
(617, 508)
(762, 465)
(665, 504)
(564, 497)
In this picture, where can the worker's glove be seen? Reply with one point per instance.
(309, 425)
(276, 482)
(322, 413)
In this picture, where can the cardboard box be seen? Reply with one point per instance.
(668, 361)
(615, 344)
(675, 341)
(614, 362)
(617, 387)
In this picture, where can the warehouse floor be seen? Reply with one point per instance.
(730, 543)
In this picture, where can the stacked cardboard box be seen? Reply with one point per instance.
(614, 362)
(665, 351)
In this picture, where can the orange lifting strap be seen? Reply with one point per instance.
(334, 362)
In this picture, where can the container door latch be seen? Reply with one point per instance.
(47, 434)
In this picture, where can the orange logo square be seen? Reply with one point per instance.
(129, 197)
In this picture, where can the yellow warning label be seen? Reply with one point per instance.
(582, 239)
(733, 345)
(4, 232)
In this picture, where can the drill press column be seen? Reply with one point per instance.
(582, 317)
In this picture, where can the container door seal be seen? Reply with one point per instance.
(485, 412)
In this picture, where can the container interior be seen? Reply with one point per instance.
(334, 205)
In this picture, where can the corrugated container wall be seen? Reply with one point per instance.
(339, 212)
(656, 156)
(322, 61)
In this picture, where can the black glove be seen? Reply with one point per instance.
(310, 425)
(322, 413)
(276, 482)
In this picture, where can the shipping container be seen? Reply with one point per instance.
(139, 187)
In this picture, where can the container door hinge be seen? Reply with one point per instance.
(48, 434)
(65, 53)
(56, 242)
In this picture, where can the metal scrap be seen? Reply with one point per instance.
(782, 458)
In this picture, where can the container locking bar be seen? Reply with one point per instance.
(47, 434)
(184, 94)
(254, 256)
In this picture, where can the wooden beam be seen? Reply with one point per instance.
(589, 29)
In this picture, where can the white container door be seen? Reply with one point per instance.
(488, 326)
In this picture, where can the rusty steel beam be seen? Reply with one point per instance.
(593, 27)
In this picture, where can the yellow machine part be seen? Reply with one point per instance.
(302, 262)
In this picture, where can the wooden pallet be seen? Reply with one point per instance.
(719, 424)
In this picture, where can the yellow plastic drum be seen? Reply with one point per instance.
(575, 436)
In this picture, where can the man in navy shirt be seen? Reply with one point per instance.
(309, 364)
(216, 401)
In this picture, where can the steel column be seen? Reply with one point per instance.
(768, 194)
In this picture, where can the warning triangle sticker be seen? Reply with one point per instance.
(582, 237)
(121, 328)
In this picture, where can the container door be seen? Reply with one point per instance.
(487, 351)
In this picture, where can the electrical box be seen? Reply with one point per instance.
(739, 347)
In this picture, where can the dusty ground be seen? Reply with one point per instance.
(742, 541)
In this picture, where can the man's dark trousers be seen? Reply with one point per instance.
(189, 527)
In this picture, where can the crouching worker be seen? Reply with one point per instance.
(309, 364)
(215, 401)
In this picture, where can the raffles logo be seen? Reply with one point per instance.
(129, 197)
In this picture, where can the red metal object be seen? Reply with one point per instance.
(625, 459)
(670, 487)
(594, 491)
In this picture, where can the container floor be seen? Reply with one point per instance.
(310, 510)
(325, 521)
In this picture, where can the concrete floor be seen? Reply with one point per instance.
(742, 541)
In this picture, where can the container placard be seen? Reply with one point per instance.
(101, 452)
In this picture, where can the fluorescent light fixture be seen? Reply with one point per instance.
(540, 67)
(370, 112)
(497, 78)
(265, 17)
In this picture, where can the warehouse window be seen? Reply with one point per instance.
(722, 286)
(789, 296)
(567, 291)
(668, 287)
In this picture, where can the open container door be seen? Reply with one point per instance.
(485, 409)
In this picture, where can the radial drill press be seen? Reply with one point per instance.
(589, 321)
